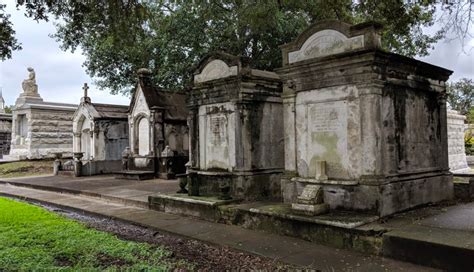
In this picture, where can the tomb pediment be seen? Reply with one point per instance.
(330, 38)
(214, 70)
(217, 65)
(324, 43)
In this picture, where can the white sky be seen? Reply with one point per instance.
(60, 75)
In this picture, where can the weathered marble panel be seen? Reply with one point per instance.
(143, 136)
(217, 122)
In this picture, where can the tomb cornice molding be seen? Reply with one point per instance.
(372, 88)
(416, 86)
(389, 66)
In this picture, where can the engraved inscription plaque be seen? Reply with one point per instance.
(327, 117)
(327, 138)
(218, 130)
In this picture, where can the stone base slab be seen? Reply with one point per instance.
(309, 210)
(248, 186)
(383, 199)
(203, 207)
(339, 229)
(40, 153)
(90, 168)
(135, 175)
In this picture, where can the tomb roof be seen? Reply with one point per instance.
(109, 111)
(173, 103)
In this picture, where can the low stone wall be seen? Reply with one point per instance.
(90, 168)
(456, 151)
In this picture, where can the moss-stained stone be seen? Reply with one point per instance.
(331, 155)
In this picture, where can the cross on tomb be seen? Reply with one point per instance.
(85, 88)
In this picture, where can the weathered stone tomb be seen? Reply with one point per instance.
(159, 139)
(236, 130)
(100, 134)
(40, 129)
(5, 129)
(456, 148)
(366, 126)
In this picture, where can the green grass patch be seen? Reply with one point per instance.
(34, 239)
(25, 168)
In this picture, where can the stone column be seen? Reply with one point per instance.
(94, 143)
(131, 135)
(193, 123)
(153, 146)
(443, 116)
(243, 155)
(289, 97)
(77, 142)
(370, 99)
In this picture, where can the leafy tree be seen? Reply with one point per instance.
(470, 116)
(169, 37)
(7, 36)
(461, 96)
(8, 109)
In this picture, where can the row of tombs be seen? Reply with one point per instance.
(341, 125)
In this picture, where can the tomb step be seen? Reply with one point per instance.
(135, 175)
(448, 249)
(337, 229)
(66, 173)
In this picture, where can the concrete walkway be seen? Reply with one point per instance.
(286, 249)
(130, 192)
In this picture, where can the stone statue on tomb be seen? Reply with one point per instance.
(29, 85)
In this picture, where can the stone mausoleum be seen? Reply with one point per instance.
(159, 138)
(364, 129)
(236, 130)
(5, 129)
(101, 135)
(40, 129)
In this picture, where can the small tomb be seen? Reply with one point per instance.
(159, 138)
(5, 129)
(100, 136)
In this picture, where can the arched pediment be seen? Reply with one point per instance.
(140, 104)
(331, 37)
(214, 70)
(218, 65)
(325, 42)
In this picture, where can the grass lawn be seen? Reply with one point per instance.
(25, 168)
(32, 238)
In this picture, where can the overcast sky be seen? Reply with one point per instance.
(60, 75)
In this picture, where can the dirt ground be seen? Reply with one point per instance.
(206, 257)
(26, 168)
